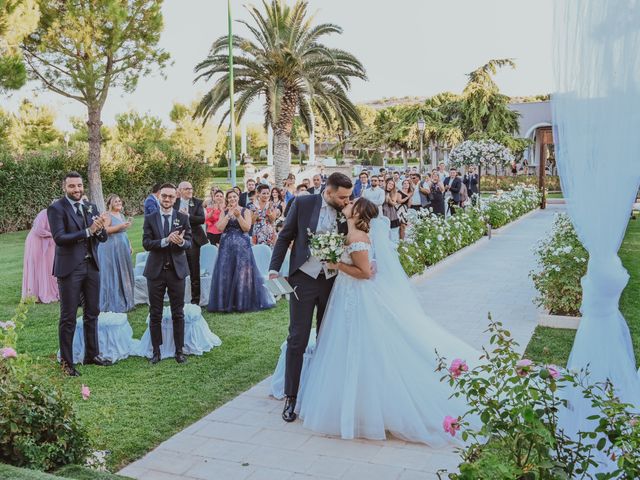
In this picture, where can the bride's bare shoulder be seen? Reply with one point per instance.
(358, 236)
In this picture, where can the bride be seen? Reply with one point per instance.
(373, 369)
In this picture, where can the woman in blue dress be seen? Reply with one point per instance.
(114, 259)
(237, 285)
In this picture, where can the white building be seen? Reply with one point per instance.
(536, 124)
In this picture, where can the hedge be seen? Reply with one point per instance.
(488, 182)
(30, 182)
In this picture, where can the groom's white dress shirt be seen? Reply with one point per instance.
(326, 224)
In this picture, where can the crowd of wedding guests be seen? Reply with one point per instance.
(178, 224)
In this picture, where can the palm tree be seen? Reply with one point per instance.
(286, 64)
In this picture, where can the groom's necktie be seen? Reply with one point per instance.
(166, 225)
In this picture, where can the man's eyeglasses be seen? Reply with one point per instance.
(164, 195)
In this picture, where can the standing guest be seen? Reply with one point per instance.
(212, 215)
(404, 204)
(237, 285)
(265, 180)
(397, 180)
(299, 191)
(77, 228)
(362, 183)
(264, 216)
(390, 204)
(471, 182)
(317, 185)
(416, 197)
(247, 197)
(192, 208)
(436, 194)
(166, 236)
(306, 182)
(238, 190)
(289, 188)
(442, 172)
(114, 257)
(323, 175)
(152, 203)
(277, 201)
(452, 184)
(375, 193)
(39, 251)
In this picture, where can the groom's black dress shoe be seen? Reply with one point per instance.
(180, 358)
(101, 362)
(289, 414)
(70, 371)
(155, 359)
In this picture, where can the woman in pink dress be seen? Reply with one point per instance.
(39, 250)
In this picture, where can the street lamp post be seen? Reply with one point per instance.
(421, 125)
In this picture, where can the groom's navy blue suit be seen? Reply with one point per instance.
(76, 268)
(310, 293)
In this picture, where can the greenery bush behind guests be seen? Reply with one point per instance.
(561, 263)
(29, 182)
(431, 238)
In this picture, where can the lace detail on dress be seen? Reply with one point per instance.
(354, 247)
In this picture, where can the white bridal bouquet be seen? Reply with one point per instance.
(327, 247)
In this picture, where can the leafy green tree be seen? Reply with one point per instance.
(285, 62)
(5, 130)
(189, 135)
(139, 132)
(80, 131)
(484, 110)
(82, 48)
(33, 128)
(18, 18)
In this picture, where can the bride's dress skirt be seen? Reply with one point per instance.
(373, 369)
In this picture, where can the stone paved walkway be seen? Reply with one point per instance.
(246, 439)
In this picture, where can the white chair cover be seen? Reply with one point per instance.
(208, 257)
(115, 338)
(138, 270)
(140, 292)
(141, 257)
(262, 255)
(198, 338)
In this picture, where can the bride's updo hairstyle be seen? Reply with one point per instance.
(364, 210)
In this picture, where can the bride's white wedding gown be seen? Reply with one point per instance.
(373, 370)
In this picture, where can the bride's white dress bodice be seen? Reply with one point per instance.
(354, 247)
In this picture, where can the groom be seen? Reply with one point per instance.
(317, 214)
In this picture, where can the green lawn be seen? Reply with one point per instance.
(7, 472)
(554, 345)
(135, 406)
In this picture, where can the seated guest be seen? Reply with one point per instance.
(212, 215)
(152, 203)
(247, 197)
(39, 251)
(237, 285)
(264, 216)
(114, 256)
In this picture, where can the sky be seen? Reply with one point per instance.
(408, 47)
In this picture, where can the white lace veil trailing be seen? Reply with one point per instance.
(393, 284)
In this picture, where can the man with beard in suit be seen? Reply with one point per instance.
(76, 228)
(192, 207)
(166, 236)
(316, 214)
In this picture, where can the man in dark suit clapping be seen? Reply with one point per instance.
(192, 207)
(77, 227)
(166, 236)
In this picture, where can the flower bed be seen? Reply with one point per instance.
(431, 238)
(562, 262)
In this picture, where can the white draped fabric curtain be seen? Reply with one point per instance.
(596, 111)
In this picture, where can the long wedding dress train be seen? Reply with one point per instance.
(373, 368)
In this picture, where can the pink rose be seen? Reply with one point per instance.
(86, 393)
(554, 371)
(451, 425)
(458, 366)
(523, 367)
(8, 352)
